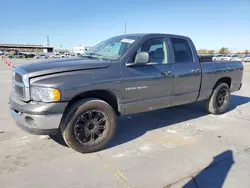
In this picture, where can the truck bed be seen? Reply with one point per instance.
(214, 70)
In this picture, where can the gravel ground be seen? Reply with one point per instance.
(176, 147)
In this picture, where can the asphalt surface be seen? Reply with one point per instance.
(176, 147)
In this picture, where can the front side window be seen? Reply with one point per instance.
(182, 51)
(111, 49)
(156, 49)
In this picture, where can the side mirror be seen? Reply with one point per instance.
(141, 58)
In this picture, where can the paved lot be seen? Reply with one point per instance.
(175, 147)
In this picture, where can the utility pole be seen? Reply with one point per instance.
(125, 28)
(47, 40)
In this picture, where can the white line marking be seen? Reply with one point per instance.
(118, 155)
(144, 148)
(43, 137)
(171, 131)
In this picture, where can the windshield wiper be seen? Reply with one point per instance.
(93, 55)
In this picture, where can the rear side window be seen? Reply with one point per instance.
(182, 51)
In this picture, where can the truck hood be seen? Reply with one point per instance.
(62, 65)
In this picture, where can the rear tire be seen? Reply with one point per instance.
(89, 125)
(219, 100)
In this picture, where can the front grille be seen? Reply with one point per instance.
(21, 84)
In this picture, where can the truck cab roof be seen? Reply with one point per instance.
(154, 34)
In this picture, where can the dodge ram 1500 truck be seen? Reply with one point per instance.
(82, 97)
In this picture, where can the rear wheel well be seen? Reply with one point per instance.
(104, 95)
(226, 80)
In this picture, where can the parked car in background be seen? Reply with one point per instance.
(246, 58)
(227, 58)
(217, 57)
(220, 57)
(238, 58)
(30, 55)
(55, 56)
(17, 55)
(234, 57)
(42, 56)
(67, 55)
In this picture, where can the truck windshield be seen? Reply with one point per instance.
(111, 49)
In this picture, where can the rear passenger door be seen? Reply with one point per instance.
(186, 71)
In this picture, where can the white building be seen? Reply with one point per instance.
(81, 49)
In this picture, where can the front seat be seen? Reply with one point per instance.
(158, 56)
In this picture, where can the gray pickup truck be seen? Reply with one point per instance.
(82, 97)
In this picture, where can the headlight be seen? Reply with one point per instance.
(45, 94)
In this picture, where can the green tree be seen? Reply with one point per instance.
(211, 51)
(202, 51)
(224, 50)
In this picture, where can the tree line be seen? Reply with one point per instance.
(223, 50)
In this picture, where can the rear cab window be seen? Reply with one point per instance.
(182, 50)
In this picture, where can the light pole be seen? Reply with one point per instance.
(47, 40)
(125, 28)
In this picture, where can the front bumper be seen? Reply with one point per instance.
(36, 124)
(37, 108)
(37, 118)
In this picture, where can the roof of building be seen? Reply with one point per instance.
(62, 50)
(24, 46)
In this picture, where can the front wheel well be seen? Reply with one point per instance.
(226, 80)
(104, 95)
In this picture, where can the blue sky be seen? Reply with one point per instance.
(210, 23)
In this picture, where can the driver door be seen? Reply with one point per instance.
(148, 86)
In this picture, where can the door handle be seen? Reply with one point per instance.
(195, 70)
(166, 73)
(169, 73)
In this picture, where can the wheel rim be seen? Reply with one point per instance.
(91, 128)
(222, 98)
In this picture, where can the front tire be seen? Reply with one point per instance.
(89, 125)
(219, 100)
